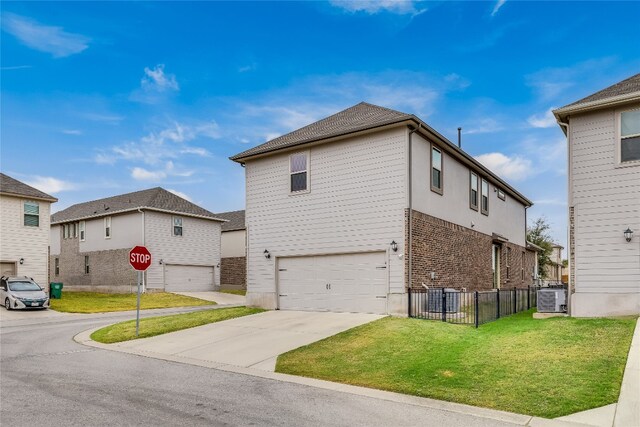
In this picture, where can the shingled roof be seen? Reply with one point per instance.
(625, 87)
(360, 117)
(235, 218)
(13, 187)
(157, 199)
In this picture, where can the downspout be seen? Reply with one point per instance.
(569, 284)
(410, 227)
(144, 275)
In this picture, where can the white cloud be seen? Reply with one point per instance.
(50, 184)
(246, 68)
(72, 131)
(104, 118)
(497, 7)
(156, 80)
(513, 168)
(546, 120)
(179, 194)
(400, 7)
(15, 67)
(142, 174)
(486, 125)
(44, 38)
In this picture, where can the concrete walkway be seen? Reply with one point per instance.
(219, 297)
(251, 341)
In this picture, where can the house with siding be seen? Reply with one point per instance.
(24, 230)
(603, 140)
(90, 244)
(347, 213)
(553, 270)
(233, 266)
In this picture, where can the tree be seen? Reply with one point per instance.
(538, 234)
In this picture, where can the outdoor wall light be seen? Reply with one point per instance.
(394, 246)
(267, 255)
(22, 259)
(628, 234)
(161, 261)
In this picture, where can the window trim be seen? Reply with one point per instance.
(482, 209)
(82, 226)
(620, 163)
(471, 205)
(107, 219)
(24, 213)
(173, 226)
(437, 190)
(307, 171)
(87, 270)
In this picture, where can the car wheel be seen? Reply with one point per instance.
(7, 304)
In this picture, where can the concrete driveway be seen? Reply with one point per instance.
(252, 341)
(218, 297)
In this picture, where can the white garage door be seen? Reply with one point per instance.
(188, 278)
(343, 283)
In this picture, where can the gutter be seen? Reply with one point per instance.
(410, 227)
(144, 273)
(565, 128)
(103, 214)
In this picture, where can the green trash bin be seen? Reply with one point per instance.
(55, 291)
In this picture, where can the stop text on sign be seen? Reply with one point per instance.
(140, 258)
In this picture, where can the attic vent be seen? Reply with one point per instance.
(106, 208)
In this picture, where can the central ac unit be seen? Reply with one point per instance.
(552, 300)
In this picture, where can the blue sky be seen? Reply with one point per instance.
(100, 99)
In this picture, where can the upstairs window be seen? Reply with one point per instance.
(473, 191)
(177, 226)
(299, 172)
(484, 197)
(31, 214)
(630, 136)
(74, 228)
(65, 231)
(436, 169)
(107, 227)
(82, 226)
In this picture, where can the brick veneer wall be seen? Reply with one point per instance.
(109, 271)
(461, 257)
(233, 273)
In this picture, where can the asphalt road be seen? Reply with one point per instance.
(48, 379)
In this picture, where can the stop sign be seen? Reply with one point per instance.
(140, 258)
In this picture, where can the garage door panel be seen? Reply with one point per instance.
(358, 283)
(188, 278)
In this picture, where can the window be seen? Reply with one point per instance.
(630, 136)
(65, 231)
(107, 227)
(298, 169)
(522, 268)
(81, 226)
(86, 264)
(501, 195)
(485, 197)
(436, 169)
(508, 262)
(473, 191)
(31, 214)
(177, 226)
(56, 263)
(74, 230)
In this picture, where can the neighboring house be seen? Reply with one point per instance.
(90, 243)
(346, 213)
(233, 267)
(553, 270)
(603, 134)
(24, 230)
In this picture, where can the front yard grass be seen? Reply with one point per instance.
(242, 292)
(546, 368)
(93, 302)
(152, 326)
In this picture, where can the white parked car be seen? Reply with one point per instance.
(22, 292)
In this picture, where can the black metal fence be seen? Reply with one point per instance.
(470, 308)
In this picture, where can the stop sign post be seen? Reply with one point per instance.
(140, 260)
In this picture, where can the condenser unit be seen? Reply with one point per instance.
(552, 300)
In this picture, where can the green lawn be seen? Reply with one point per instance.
(152, 326)
(546, 368)
(92, 302)
(242, 292)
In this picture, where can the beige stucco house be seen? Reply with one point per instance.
(24, 230)
(603, 140)
(233, 266)
(90, 243)
(348, 212)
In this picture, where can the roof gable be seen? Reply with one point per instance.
(154, 198)
(11, 186)
(625, 87)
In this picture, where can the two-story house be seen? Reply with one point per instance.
(603, 140)
(347, 213)
(553, 270)
(90, 244)
(24, 230)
